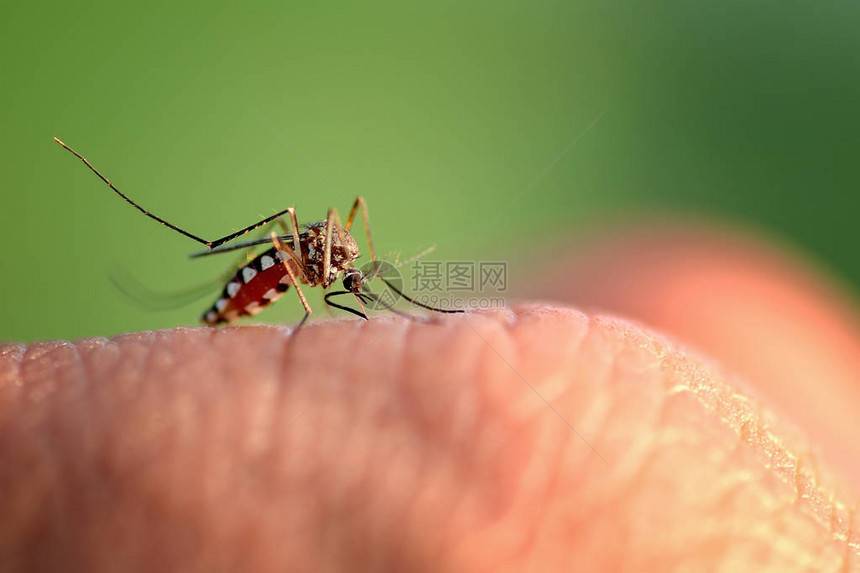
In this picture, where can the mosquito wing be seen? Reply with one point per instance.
(156, 300)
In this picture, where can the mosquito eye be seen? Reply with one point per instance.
(347, 281)
(353, 280)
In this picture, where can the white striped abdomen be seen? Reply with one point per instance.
(254, 286)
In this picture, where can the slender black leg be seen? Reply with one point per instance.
(360, 202)
(293, 276)
(180, 230)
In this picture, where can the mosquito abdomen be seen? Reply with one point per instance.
(254, 286)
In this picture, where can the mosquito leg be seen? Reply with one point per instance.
(180, 230)
(297, 244)
(231, 236)
(129, 200)
(285, 248)
(296, 251)
(248, 255)
(330, 220)
(276, 217)
(332, 225)
(360, 202)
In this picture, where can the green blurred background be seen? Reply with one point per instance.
(441, 114)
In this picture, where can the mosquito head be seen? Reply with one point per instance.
(353, 280)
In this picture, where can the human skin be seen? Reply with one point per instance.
(786, 328)
(538, 438)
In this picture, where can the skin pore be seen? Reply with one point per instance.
(537, 438)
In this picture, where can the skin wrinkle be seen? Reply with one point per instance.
(250, 476)
(576, 518)
(354, 496)
(140, 456)
(569, 440)
(698, 395)
(806, 482)
(282, 362)
(694, 384)
(203, 415)
(407, 556)
(513, 419)
(43, 426)
(129, 378)
(33, 371)
(543, 389)
(720, 544)
(498, 499)
(408, 514)
(581, 420)
(274, 463)
(474, 438)
(70, 397)
(851, 537)
(434, 464)
(638, 463)
(379, 497)
(760, 438)
(534, 536)
(333, 386)
(676, 549)
(850, 542)
(511, 329)
(68, 410)
(204, 421)
(252, 403)
(10, 375)
(478, 468)
(336, 388)
(280, 421)
(97, 355)
(599, 404)
(410, 555)
(246, 392)
(347, 499)
(264, 467)
(758, 307)
(424, 516)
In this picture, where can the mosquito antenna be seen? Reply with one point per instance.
(210, 244)
(416, 303)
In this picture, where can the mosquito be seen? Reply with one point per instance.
(315, 256)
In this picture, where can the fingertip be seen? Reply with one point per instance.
(514, 438)
(754, 305)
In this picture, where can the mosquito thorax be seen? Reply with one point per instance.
(343, 251)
